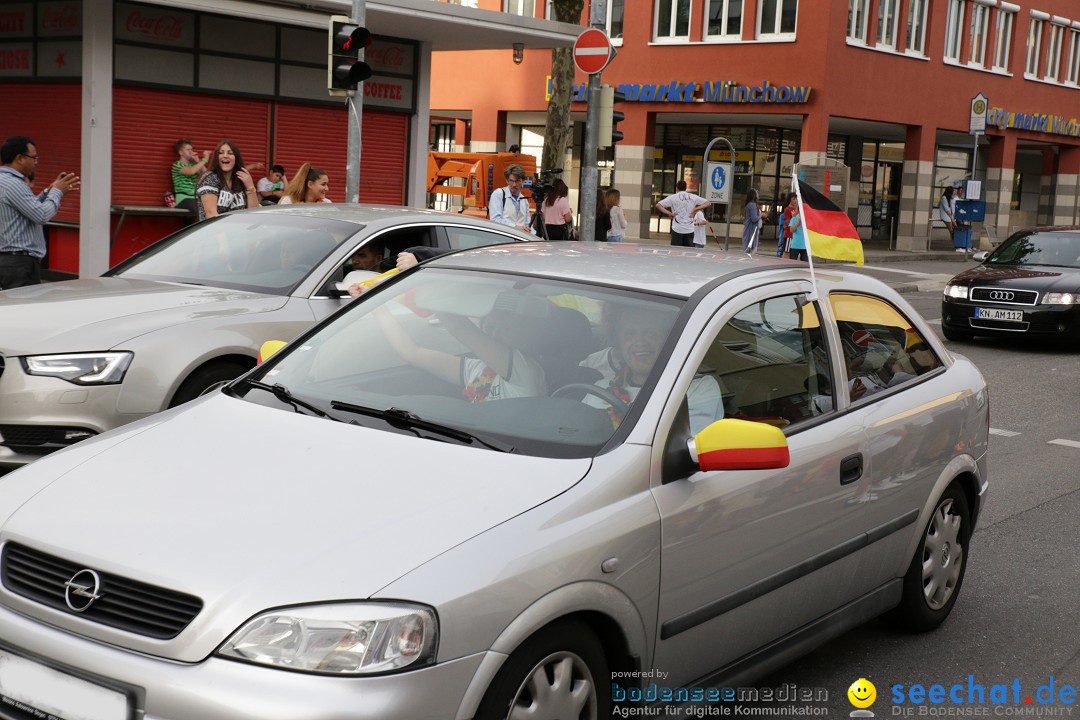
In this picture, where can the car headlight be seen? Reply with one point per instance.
(1060, 298)
(345, 639)
(957, 292)
(82, 368)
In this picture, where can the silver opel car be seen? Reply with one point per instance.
(504, 484)
(189, 313)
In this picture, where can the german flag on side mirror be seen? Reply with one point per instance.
(268, 348)
(740, 445)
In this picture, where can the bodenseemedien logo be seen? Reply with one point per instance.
(862, 695)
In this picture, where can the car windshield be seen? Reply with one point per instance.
(546, 367)
(1056, 248)
(265, 252)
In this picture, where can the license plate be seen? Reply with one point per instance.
(40, 691)
(997, 314)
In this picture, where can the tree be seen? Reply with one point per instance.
(558, 130)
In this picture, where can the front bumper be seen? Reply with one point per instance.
(37, 411)
(1041, 320)
(226, 690)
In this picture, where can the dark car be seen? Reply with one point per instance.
(1029, 284)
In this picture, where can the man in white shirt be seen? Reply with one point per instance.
(681, 208)
(508, 205)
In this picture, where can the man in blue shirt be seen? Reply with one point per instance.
(22, 214)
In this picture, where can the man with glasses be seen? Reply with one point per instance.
(22, 214)
(508, 205)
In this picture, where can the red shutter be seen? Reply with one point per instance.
(51, 115)
(147, 122)
(319, 134)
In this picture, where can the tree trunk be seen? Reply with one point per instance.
(558, 131)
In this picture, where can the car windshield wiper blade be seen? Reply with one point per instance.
(404, 418)
(282, 393)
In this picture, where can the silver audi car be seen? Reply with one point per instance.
(505, 484)
(189, 313)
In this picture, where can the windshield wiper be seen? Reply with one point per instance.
(409, 420)
(282, 393)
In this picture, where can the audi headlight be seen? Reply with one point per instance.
(346, 639)
(956, 292)
(83, 368)
(1061, 298)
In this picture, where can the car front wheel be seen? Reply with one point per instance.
(561, 672)
(207, 379)
(936, 573)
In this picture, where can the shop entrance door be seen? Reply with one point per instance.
(886, 202)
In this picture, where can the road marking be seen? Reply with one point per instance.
(936, 321)
(1066, 443)
(1003, 433)
(897, 270)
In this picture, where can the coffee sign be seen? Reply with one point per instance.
(158, 26)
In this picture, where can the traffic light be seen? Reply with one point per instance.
(608, 133)
(344, 70)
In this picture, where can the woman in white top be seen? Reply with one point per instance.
(947, 210)
(309, 185)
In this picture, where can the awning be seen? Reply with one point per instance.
(446, 26)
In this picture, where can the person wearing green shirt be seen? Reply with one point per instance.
(186, 172)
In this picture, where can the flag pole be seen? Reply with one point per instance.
(813, 296)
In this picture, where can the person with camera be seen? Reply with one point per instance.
(557, 215)
(508, 205)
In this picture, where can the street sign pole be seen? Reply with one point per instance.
(731, 179)
(589, 175)
(355, 102)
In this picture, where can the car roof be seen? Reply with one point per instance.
(362, 214)
(677, 271)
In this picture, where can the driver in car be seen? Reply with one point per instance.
(638, 336)
(504, 366)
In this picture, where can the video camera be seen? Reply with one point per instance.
(541, 186)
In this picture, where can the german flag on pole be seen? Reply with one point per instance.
(829, 232)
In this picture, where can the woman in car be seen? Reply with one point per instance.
(227, 186)
(309, 185)
(505, 365)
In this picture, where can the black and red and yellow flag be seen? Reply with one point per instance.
(829, 232)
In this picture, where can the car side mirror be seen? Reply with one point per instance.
(731, 444)
(980, 256)
(268, 348)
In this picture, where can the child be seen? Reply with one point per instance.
(618, 221)
(186, 171)
(272, 186)
(701, 225)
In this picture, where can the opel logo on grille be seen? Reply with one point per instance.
(82, 590)
(1002, 295)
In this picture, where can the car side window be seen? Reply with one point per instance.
(769, 363)
(881, 347)
(462, 238)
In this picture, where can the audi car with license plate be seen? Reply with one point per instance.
(499, 485)
(188, 313)
(1030, 284)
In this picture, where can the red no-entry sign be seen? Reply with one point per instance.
(592, 51)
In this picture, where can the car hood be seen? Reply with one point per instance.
(99, 313)
(249, 508)
(1043, 279)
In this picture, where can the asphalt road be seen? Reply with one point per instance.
(1019, 610)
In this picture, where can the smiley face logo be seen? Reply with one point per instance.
(862, 693)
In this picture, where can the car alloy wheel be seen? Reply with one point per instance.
(559, 686)
(943, 555)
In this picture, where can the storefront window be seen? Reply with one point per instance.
(41, 39)
(724, 18)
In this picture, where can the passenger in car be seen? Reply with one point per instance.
(369, 257)
(505, 365)
(638, 336)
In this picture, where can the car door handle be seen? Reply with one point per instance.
(851, 469)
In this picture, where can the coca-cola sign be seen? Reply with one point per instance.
(389, 57)
(59, 18)
(151, 25)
